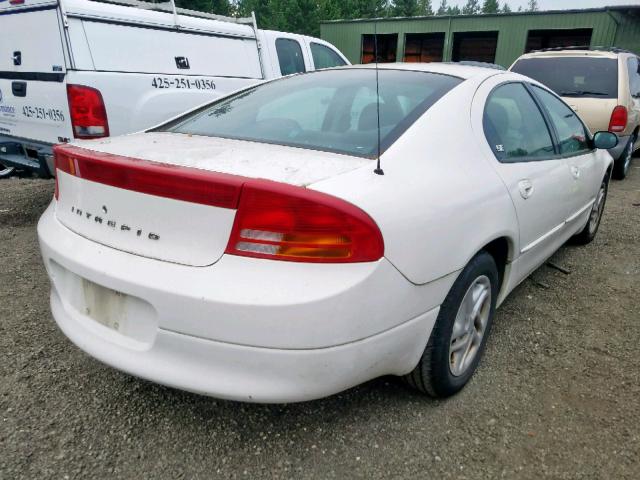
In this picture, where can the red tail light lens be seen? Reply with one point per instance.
(619, 117)
(159, 179)
(88, 114)
(283, 222)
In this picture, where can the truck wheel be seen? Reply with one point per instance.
(6, 171)
(461, 330)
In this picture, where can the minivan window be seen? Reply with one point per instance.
(329, 110)
(324, 57)
(573, 76)
(289, 56)
(514, 126)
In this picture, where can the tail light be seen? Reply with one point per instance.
(284, 222)
(619, 117)
(88, 114)
(273, 220)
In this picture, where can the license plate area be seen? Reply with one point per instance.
(99, 307)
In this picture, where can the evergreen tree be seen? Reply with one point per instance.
(472, 7)
(443, 8)
(454, 10)
(532, 6)
(490, 6)
(405, 8)
(506, 8)
(425, 8)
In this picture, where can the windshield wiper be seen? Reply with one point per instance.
(581, 93)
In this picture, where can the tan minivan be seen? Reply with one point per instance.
(601, 85)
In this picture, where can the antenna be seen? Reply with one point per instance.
(378, 170)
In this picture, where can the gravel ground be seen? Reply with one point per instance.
(557, 394)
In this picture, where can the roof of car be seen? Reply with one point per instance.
(455, 69)
(573, 52)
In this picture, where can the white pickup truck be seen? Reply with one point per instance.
(83, 69)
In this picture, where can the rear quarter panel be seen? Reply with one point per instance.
(438, 202)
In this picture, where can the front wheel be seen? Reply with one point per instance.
(588, 233)
(461, 330)
(623, 164)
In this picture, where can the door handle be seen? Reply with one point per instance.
(526, 188)
(575, 171)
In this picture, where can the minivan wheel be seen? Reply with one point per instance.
(623, 164)
(461, 330)
(588, 233)
(6, 171)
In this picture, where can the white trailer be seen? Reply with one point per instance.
(85, 69)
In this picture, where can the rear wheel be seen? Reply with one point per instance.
(588, 233)
(461, 330)
(623, 164)
(6, 171)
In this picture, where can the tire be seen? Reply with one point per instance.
(6, 171)
(588, 233)
(623, 163)
(444, 369)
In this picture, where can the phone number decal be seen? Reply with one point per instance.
(41, 113)
(183, 82)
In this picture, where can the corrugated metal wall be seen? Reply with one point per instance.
(609, 29)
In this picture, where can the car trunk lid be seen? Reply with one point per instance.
(170, 196)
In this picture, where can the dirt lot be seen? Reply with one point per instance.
(557, 395)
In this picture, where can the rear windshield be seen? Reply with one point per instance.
(330, 110)
(573, 76)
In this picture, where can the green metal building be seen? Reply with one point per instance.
(494, 38)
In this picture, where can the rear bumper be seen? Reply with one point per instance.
(226, 331)
(27, 155)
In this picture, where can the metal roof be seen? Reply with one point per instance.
(502, 15)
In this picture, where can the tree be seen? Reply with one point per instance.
(490, 6)
(472, 7)
(221, 7)
(405, 8)
(443, 8)
(506, 8)
(425, 8)
(532, 6)
(454, 10)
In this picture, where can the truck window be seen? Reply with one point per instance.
(289, 56)
(324, 57)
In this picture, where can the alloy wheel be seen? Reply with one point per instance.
(597, 209)
(470, 325)
(5, 171)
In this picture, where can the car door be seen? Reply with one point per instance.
(524, 155)
(574, 145)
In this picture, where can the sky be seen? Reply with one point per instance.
(553, 4)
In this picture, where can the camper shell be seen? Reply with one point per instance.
(125, 65)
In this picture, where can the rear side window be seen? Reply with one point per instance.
(289, 56)
(324, 57)
(634, 76)
(572, 135)
(573, 76)
(514, 126)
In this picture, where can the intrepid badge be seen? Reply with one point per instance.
(97, 219)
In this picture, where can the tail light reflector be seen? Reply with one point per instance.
(619, 117)
(284, 222)
(88, 113)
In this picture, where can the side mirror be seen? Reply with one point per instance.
(605, 140)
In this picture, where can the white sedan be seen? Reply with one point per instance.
(254, 250)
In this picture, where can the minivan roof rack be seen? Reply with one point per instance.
(169, 7)
(584, 47)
